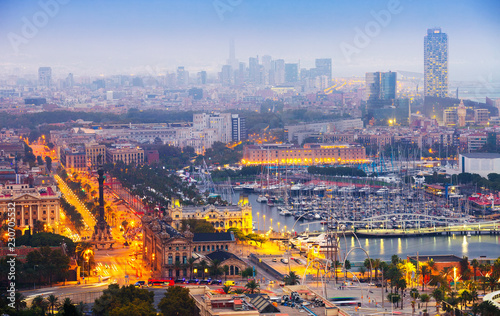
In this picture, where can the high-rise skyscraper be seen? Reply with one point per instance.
(380, 89)
(254, 70)
(324, 68)
(291, 73)
(182, 76)
(232, 61)
(226, 76)
(436, 63)
(278, 72)
(45, 76)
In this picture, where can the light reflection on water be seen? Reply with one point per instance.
(472, 247)
(384, 248)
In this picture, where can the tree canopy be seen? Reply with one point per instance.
(177, 302)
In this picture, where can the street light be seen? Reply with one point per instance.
(455, 277)
(258, 224)
(34, 269)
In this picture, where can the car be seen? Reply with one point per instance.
(216, 282)
(274, 259)
(284, 260)
(180, 281)
(139, 283)
(205, 281)
(192, 281)
(229, 283)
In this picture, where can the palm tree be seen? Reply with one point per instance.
(414, 294)
(362, 270)
(215, 268)
(40, 302)
(84, 249)
(252, 285)
(464, 298)
(190, 263)
(225, 269)
(368, 265)
(53, 302)
(376, 266)
(177, 268)
(19, 301)
(401, 284)
(203, 265)
(291, 279)
(424, 270)
(425, 298)
(475, 265)
(67, 302)
(226, 289)
(432, 265)
(484, 269)
(438, 296)
(487, 308)
(394, 259)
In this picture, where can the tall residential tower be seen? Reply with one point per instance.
(436, 63)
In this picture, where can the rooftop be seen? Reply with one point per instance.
(221, 256)
(482, 155)
(198, 237)
(437, 258)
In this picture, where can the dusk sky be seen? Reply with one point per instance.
(94, 37)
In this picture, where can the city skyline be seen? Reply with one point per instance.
(128, 38)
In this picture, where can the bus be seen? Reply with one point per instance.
(344, 301)
(160, 282)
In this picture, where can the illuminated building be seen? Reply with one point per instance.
(476, 141)
(74, 159)
(436, 63)
(221, 217)
(481, 116)
(31, 205)
(310, 154)
(461, 113)
(127, 155)
(450, 117)
(96, 154)
(164, 246)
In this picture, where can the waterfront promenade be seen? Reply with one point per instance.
(480, 228)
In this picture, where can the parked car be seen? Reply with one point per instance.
(192, 281)
(180, 281)
(139, 283)
(205, 281)
(216, 282)
(229, 283)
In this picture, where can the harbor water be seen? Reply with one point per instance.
(474, 246)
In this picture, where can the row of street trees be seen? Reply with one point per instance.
(401, 275)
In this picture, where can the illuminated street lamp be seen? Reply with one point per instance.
(455, 277)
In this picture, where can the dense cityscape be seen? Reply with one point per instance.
(289, 178)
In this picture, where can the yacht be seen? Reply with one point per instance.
(262, 199)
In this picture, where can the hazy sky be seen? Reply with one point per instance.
(89, 37)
